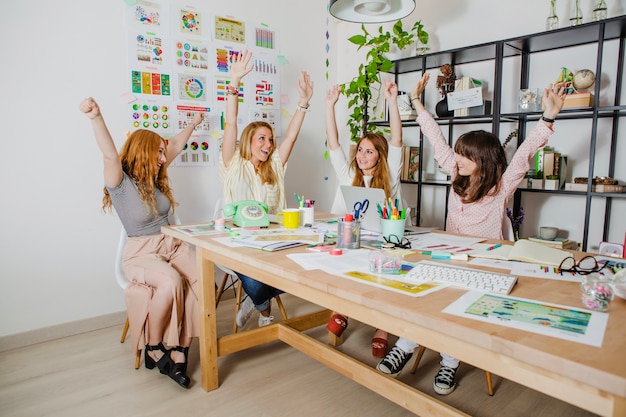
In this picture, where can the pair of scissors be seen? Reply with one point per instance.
(360, 207)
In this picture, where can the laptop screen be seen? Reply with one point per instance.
(370, 220)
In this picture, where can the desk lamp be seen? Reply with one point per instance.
(371, 11)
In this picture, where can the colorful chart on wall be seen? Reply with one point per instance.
(150, 83)
(192, 87)
(230, 30)
(152, 115)
(220, 90)
(186, 113)
(270, 116)
(224, 55)
(179, 57)
(192, 54)
(189, 21)
(148, 48)
(148, 14)
(262, 38)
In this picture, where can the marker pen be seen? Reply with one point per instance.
(448, 255)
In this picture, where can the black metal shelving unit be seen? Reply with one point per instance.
(523, 48)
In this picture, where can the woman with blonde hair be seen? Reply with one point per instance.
(256, 171)
(162, 269)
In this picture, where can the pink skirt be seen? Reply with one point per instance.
(160, 265)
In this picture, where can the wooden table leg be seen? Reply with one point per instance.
(207, 320)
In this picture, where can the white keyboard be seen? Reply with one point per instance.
(468, 278)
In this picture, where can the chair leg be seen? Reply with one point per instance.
(125, 331)
(281, 307)
(220, 290)
(418, 358)
(137, 359)
(489, 385)
(237, 305)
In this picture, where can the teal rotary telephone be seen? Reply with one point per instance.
(248, 213)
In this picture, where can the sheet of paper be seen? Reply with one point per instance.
(554, 320)
(354, 265)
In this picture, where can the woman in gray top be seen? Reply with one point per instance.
(162, 297)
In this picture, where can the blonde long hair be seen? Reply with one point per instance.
(267, 174)
(138, 157)
(380, 176)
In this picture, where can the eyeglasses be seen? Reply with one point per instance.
(585, 266)
(397, 242)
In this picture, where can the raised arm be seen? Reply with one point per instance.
(112, 163)
(238, 69)
(305, 90)
(177, 143)
(416, 94)
(390, 89)
(332, 135)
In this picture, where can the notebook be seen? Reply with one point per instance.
(525, 251)
(371, 219)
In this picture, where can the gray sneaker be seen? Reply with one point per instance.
(246, 308)
(265, 321)
(444, 380)
(393, 363)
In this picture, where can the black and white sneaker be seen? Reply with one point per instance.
(394, 361)
(444, 380)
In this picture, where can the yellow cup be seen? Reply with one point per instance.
(289, 218)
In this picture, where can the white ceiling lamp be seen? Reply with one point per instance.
(371, 11)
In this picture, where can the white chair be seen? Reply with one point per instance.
(124, 282)
(507, 229)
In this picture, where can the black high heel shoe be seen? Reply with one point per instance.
(164, 363)
(178, 371)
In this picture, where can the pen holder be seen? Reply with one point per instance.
(348, 234)
(307, 216)
(383, 262)
(392, 227)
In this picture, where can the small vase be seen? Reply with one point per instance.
(552, 21)
(577, 14)
(599, 11)
(516, 235)
(442, 108)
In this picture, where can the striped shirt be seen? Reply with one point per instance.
(241, 182)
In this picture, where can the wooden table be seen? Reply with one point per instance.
(588, 377)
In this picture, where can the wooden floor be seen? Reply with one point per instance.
(92, 374)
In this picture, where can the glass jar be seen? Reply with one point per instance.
(552, 21)
(596, 292)
(600, 11)
(576, 17)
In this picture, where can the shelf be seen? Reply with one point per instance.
(523, 48)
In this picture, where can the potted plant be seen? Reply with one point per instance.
(365, 87)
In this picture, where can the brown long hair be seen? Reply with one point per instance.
(380, 176)
(484, 149)
(138, 157)
(267, 174)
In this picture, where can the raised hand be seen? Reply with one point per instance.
(553, 100)
(305, 89)
(333, 95)
(420, 86)
(240, 66)
(390, 89)
(90, 108)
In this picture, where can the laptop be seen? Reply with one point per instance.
(370, 220)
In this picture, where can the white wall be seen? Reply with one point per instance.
(56, 247)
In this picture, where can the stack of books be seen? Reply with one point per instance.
(558, 243)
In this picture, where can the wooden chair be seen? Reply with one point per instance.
(229, 274)
(418, 358)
